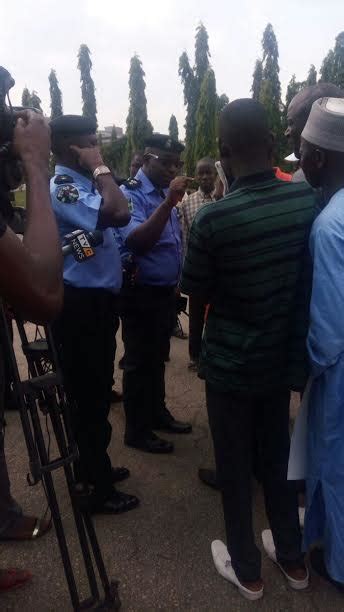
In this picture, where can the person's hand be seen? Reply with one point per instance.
(89, 157)
(31, 138)
(177, 189)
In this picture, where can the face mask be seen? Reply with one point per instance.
(222, 176)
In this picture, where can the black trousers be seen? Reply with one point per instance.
(147, 313)
(85, 339)
(196, 324)
(235, 422)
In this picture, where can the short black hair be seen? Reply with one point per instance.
(206, 160)
(244, 127)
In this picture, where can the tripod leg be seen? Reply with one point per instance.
(54, 507)
(78, 517)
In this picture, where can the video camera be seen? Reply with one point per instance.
(10, 167)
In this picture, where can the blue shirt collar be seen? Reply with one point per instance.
(147, 186)
(77, 176)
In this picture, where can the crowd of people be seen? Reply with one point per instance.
(260, 254)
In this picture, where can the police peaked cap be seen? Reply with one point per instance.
(163, 142)
(73, 124)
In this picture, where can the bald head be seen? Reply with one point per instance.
(300, 107)
(245, 138)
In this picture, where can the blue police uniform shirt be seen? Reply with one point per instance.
(76, 205)
(162, 264)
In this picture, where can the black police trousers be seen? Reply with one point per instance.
(236, 423)
(85, 338)
(147, 314)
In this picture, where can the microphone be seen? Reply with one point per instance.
(80, 243)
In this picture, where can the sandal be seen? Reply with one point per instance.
(20, 531)
(13, 578)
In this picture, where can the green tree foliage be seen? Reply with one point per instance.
(270, 94)
(257, 80)
(293, 88)
(339, 60)
(222, 101)
(206, 118)
(188, 79)
(55, 96)
(173, 128)
(26, 97)
(113, 152)
(35, 101)
(327, 70)
(192, 80)
(89, 105)
(138, 126)
(202, 54)
(312, 76)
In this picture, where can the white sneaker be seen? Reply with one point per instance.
(269, 546)
(224, 566)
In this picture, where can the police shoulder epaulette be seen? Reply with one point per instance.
(132, 183)
(63, 179)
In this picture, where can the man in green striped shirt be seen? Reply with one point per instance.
(247, 255)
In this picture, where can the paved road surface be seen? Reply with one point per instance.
(159, 552)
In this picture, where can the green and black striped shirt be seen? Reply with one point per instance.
(248, 253)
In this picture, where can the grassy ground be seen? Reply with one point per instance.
(20, 198)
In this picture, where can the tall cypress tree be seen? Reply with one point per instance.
(257, 80)
(206, 118)
(339, 60)
(202, 54)
(222, 101)
(312, 76)
(89, 105)
(327, 70)
(138, 126)
(55, 96)
(173, 128)
(26, 97)
(192, 79)
(270, 94)
(35, 101)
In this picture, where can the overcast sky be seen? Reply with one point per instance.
(38, 35)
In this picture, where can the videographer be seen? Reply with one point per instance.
(85, 196)
(30, 274)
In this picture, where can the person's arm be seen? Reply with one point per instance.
(31, 271)
(326, 333)
(114, 211)
(146, 235)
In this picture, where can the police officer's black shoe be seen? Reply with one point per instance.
(151, 443)
(169, 424)
(116, 503)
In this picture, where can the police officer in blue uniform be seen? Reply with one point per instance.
(85, 196)
(153, 238)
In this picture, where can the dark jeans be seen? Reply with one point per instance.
(85, 338)
(235, 422)
(196, 324)
(146, 315)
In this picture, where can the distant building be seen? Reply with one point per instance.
(106, 133)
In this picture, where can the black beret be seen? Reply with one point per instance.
(164, 142)
(73, 124)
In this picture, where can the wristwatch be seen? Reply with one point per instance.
(101, 170)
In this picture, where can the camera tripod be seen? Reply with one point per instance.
(43, 391)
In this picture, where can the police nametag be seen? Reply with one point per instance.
(67, 194)
(62, 179)
(130, 206)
